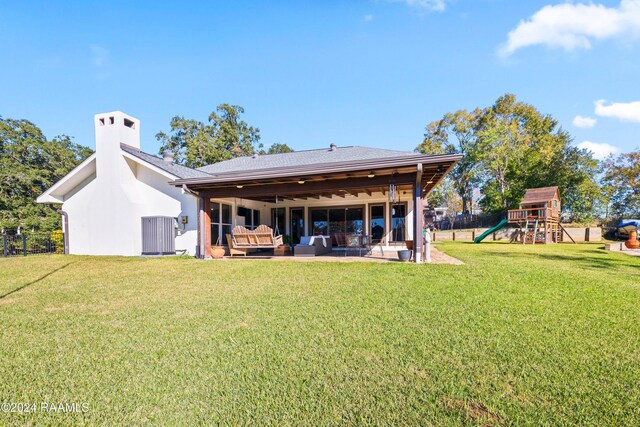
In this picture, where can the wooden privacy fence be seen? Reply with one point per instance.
(32, 244)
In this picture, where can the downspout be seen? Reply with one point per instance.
(65, 230)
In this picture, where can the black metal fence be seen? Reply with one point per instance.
(466, 221)
(32, 244)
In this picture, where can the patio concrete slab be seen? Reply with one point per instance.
(390, 255)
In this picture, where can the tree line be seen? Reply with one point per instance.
(223, 137)
(511, 146)
(507, 147)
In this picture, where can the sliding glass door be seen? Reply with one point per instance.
(319, 222)
(334, 220)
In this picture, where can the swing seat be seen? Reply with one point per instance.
(260, 238)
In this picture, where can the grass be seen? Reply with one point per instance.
(519, 335)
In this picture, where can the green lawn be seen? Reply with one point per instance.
(519, 335)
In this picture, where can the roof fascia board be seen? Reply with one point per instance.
(335, 167)
(46, 197)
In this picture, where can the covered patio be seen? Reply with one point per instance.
(376, 201)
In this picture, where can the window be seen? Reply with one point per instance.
(220, 222)
(255, 215)
(376, 223)
(251, 217)
(398, 214)
(278, 220)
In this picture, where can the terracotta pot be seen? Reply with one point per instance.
(633, 242)
(409, 244)
(217, 252)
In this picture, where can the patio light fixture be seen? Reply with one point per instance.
(301, 181)
(239, 186)
(371, 175)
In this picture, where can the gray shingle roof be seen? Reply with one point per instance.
(179, 171)
(301, 158)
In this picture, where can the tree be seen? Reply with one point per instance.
(621, 176)
(224, 137)
(277, 148)
(29, 164)
(521, 148)
(455, 133)
(509, 147)
(446, 195)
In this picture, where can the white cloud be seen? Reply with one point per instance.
(368, 18)
(584, 122)
(437, 5)
(99, 55)
(574, 25)
(600, 150)
(629, 111)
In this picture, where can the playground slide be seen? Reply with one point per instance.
(481, 237)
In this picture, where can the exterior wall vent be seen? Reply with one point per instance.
(158, 235)
(129, 123)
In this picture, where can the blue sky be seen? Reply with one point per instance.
(368, 72)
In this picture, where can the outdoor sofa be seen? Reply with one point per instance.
(313, 246)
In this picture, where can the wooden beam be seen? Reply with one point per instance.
(291, 189)
(417, 216)
(206, 226)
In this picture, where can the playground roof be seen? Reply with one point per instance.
(539, 195)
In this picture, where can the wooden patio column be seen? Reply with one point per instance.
(417, 216)
(205, 224)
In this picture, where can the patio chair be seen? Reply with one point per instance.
(354, 242)
(341, 242)
(370, 245)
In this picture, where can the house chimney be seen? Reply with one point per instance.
(333, 147)
(113, 130)
(167, 156)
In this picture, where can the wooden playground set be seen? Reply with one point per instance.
(538, 218)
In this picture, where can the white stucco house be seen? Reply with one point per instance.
(122, 201)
